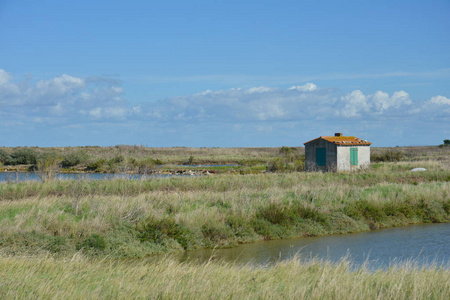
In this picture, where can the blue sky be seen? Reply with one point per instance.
(223, 73)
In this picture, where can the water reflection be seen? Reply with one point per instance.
(424, 244)
(30, 176)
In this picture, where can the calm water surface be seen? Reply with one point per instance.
(24, 176)
(425, 244)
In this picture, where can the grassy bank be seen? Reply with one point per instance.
(83, 239)
(47, 278)
(121, 218)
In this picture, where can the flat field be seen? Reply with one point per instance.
(70, 238)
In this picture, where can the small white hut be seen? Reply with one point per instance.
(336, 153)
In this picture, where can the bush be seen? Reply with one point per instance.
(239, 226)
(117, 160)
(156, 231)
(146, 165)
(216, 233)
(277, 165)
(72, 159)
(280, 164)
(282, 214)
(275, 214)
(24, 156)
(4, 157)
(288, 152)
(299, 164)
(47, 165)
(388, 156)
(250, 162)
(96, 166)
(94, 241)
(57, 244)
(365, 210)
(190, 161)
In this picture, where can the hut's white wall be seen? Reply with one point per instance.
(343, 158)
(310, 156)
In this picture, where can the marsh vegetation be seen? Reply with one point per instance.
(44, 224)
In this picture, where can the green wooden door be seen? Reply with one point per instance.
(321, 157)
(353, 156)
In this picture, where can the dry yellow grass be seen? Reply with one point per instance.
(47, 278)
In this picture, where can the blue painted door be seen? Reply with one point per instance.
(321, 156)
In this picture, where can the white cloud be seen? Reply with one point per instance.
(399, 99)
(68, 102)
(260, 89)
(440, 100)
(309, 87)
(64, 96)
(354, 103)
(5, 77)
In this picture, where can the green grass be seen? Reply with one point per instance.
(139, 218)
(88, 239)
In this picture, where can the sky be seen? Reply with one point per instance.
(223, 73)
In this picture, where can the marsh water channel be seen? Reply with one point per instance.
(26, 176)
(425, 244)
(33, 176)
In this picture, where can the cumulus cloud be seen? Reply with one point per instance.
(4, 77)
(356, 104)
(76, 99)
(253, 104)
(440, 100)
(303, 102)
(69, 102)
(309, 87)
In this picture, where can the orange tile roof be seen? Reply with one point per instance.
(343, 140)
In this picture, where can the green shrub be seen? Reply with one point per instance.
(72, 159)
(267, 230)
(95, 241)
(145, 165)
(365, 210)
(24, 156)
(388, 156)
(156, 231)
(431, 211)
(117, 160)
(250, 162)
(57, 244)
(277, 165)
(96, 166)
(190, 161)
(287, 164)
(275, 214)
(239, 226)
(215, 234)
(4, 156)
(47, 165)
(292, 214)
(299, 164)
(310, 213)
